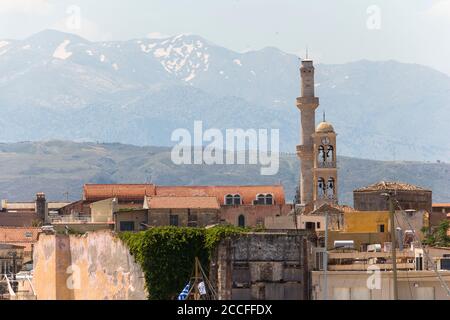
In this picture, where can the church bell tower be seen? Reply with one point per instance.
(325, 169)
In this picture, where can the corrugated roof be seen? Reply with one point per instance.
(183, 203)
(391, 186)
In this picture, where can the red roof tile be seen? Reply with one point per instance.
(124, 192)
(440, 205)
(19, 236)
(247, 193)
(391, 186)
(137, 192)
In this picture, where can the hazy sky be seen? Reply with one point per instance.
(335, 31)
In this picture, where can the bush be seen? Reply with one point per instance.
(167, 255)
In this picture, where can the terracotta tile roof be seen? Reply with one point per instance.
(137, 192)
(247, 193)
(183, 203)
(19, 236)
(124, 192)
(438, 205)
(331, 208)
(391, 186)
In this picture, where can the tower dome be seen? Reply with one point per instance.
(324, 127)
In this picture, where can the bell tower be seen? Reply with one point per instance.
(307, 104)
(325, 169)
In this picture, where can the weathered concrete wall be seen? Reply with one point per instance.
(262, 266)
(362, 285)
(96, 266)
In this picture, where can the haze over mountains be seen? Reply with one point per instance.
(60, 86)
(58, 167)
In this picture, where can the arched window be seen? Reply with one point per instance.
(237, 201)
(321, 155)
(321, 188)
(261, 199)
(269, 199)
(264, 199)
(330, 191)
(229, 199)
(241, 221)
(330, 154)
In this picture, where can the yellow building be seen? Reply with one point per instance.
(366, 222)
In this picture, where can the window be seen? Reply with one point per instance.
(192, 219)
(381, 228)
(264, 199)
(241, 221)
(173, 220)
(318, 225)
(419, 263)
(310, 226)
(319, 261)
(261, 199)
(229, 200)
(126, 226)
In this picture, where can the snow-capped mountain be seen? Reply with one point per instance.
(55, 85)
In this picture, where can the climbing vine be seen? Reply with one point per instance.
(167, 255)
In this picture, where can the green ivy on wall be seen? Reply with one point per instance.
(167, 255)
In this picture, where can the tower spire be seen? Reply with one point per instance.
(324, 119)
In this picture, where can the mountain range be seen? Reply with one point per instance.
(60, 168)
(55, 85)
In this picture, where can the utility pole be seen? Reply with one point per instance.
(325, 260)
(394, 244)
(196, 291)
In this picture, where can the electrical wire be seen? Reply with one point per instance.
(407, 275)
(441, 280)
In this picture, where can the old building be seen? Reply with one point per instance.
(11, 259)
(197, 211)
(263, 266)
(441, 212)
(353, 285)
(20, 236)
(28, 214)
(317, 153)
(171, 205)
(408, 196)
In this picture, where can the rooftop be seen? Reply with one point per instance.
(391, 186)
(137, 192)
(183, 203)
(438, 205)
(325, 127)
(19, 236)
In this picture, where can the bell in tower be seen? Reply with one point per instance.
(325, 167)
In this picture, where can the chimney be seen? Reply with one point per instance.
(41, 206)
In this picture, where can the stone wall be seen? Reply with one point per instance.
(96, 266)
(374, 201)
(262, 266)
